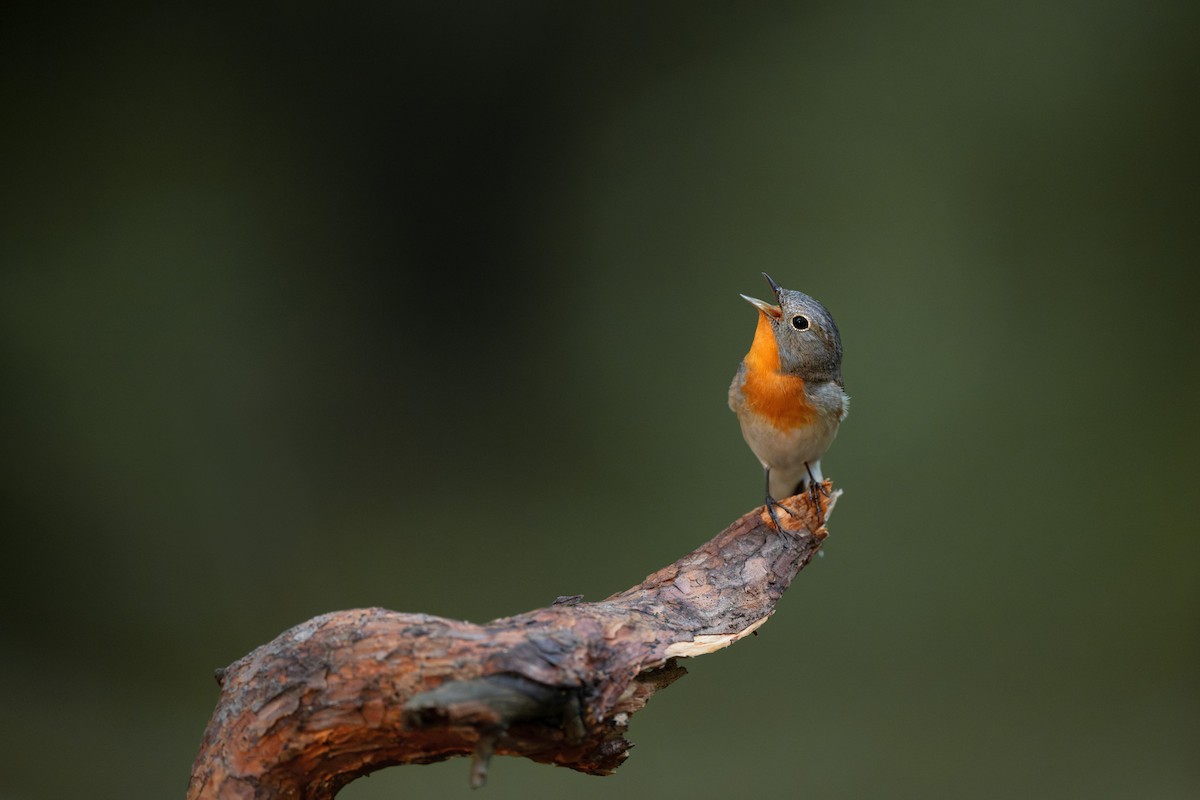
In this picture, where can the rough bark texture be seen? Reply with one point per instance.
(351, 692)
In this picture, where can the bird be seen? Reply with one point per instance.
(788, 393)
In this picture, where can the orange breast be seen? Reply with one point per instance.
(778, 398)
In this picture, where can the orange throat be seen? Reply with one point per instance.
(776, 397)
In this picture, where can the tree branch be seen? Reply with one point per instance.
(348, 693)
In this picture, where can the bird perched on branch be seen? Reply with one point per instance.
(788, 393)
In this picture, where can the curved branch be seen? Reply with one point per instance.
(347, 693)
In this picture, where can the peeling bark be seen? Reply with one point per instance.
(348, 693)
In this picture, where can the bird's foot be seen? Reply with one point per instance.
(816, 488)
(815, 492)
(773, 504)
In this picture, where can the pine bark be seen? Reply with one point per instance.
(348, 693)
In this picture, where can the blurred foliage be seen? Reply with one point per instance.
(315, 307)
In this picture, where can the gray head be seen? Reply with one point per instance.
(805, 333)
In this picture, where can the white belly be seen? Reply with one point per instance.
(786, 453)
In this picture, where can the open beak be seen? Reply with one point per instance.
(774, 312)
(775, 287)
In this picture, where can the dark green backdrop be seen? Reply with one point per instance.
(434, 307)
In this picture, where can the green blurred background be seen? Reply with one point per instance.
(434, 307)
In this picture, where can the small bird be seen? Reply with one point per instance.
(788, 393)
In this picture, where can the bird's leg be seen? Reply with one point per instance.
(772, 503)
(815, 490)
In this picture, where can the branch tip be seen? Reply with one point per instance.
(482, 757)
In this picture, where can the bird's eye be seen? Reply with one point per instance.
(800, 322)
